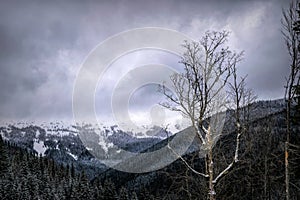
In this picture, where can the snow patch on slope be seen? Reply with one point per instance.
(3, 136)
(39, 147)
(74, 156)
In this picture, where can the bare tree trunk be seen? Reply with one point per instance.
(288, 130)
(290, 23)
(211, 192)
(287, 175)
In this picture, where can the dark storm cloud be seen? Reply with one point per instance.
(42, 44)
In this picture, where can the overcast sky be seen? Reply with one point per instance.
(43, 44)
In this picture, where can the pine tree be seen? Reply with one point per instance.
(109, 190)
(98, 190)
(134, 196)
(72, 171)
(4, 162)
(123, 194)
(145, 194)
(83, 189)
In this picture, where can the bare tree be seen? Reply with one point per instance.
(199, 95)
(291, 27)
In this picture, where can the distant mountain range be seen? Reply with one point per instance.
(62, 143)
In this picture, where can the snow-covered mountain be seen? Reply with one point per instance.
(62, 142)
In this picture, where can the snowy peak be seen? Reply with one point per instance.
(49, 139)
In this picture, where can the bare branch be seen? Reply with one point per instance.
(184, 161)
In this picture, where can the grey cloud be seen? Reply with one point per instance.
(44, 43)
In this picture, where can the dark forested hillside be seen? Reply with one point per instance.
(259, 174)
(25, 176)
